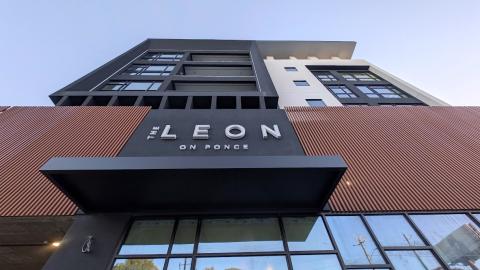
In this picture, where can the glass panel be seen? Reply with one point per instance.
(354, 242)
(138, 264)
(156, 68)
(382, 90)
(179, 264)
(138, 86)
(477, 216)
(150, 73)
(301, 83)
(394, 230)
(316, 262)
(413, 259)
(455, 237)
(148, 237)
(185, 236)
(372, 96)
(112, 86)
(240, 235)
(307, 233)
(316, 103)
(390, 96)
(365, 89)
(343, 96)
(242, 263)
(155, 86)
(337, 90)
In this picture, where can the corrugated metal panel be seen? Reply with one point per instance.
(399, 159)
(31, 135)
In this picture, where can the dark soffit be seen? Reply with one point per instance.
(176, 184)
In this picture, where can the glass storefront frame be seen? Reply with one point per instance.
(382, 250)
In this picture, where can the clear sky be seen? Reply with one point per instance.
(433, 44)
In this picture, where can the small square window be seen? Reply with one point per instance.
(316, 103)
(301, 83)
(291, 69)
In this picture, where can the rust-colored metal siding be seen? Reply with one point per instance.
(29, 136)
(399, 158)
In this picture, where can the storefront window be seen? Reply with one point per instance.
(306, 233)
(138, 264)
(413, 259)
(393, 230)
(455, 237)
(316, 262)
(242, 263)
(148, 237)
(240, 235)
(354, 242)
(179, 264)
(185, 236)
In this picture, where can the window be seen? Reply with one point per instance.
(413, 259)
(325, 76)
(306, 233)
(153, 264)
(220, 71)
(149, 70)
(159, 56)
(316, 103)
(240, 235)
(301, 83)
(341, 91)
(384, 91)
(242, 263)
(394, 230)
(148, 237)
(185, 236)
(359, 76)
(212, 57)
(455, 237)
(477, 216)
(290, 69)
(355, 244)
(132, 86)
(316, 262)
(174, 264)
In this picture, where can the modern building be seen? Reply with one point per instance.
(239, 154)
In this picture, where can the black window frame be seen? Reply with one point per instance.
(286, 252)
(362, 98)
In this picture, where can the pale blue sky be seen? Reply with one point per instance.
(433, 44)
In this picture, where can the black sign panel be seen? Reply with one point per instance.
(213, 132)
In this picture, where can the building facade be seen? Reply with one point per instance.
(249, 155)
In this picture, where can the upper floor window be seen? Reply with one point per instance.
(159, 56)
(301, 83)
(131, 86)
(290, 69)
(384, 91)
(341, 91)
(359, 76)
(149, 70)
(316, 103)
(326, 76)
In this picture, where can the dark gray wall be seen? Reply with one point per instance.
(107, 231)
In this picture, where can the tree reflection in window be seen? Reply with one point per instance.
(138, 264)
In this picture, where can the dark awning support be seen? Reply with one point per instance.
(207, 184)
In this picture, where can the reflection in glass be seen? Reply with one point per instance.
(185, 236)
(455, 237)
(148, 237)
(138, 264)
(179, 264)
(240, 235)
(477, 216)
(306, 233)
(394, 230)
(354, 242)
(316, 262)
(242, 263)
(413, 259)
